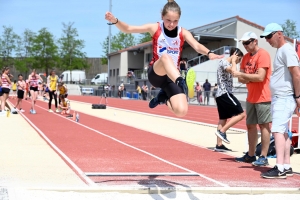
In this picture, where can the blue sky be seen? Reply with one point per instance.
(88, 15)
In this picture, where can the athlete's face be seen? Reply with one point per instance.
(171, 20)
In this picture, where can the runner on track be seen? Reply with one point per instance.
(63, 91)
(33, 79)
(21, 87)
(5, 81)
(52, 81)
(168, 40)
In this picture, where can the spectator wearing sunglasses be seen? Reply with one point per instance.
(255, 72)
(285, 91)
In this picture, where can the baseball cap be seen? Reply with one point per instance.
(248, 36)
(272, 27)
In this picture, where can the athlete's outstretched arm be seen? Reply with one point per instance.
(125, 28)
(197, 46)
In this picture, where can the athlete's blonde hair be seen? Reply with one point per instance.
(171, 6)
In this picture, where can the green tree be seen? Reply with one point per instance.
(24, 58)
(145, 37)
(44, 51)
(290, 29)
(118, 42)
(8, 45)
(105, 51)
(70, 51)
(122, 41)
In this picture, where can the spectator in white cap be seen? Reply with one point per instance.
(255, 72)
(285, 91)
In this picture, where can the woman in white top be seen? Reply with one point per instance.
(33, 78)
(6, 83)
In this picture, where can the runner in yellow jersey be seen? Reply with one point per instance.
(14, 89)
(63, 91)
(65, 105)
(52, 81)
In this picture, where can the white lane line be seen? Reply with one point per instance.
(66, 158)
(139, 174)
(145, 152)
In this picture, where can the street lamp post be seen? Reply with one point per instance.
(109, 44)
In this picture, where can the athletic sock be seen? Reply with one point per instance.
(178, 79)
(280, 167)
(286, 166)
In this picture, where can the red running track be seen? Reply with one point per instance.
(204, 114)
(92, 152)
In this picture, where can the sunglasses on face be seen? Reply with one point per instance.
(248, 42)
(270, 35)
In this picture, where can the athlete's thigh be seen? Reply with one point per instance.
(158, 66)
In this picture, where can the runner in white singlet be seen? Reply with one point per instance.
(33, 87)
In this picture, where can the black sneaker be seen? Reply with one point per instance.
(246, 158)
(222, 148)
(161, 98)
(273, 173)
(222, 136)
(288, 172)
(182, 84)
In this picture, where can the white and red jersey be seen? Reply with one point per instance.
(21, 85)
(164, 44)
(5, 83)
(33, 82)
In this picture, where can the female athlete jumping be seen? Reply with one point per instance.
(168, 40)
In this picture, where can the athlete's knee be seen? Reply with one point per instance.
(251, 127)
(180, 110)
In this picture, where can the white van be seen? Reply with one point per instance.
(99, 78)
(78, 76)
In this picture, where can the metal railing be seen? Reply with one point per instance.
(203, 58)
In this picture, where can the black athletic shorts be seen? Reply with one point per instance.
(163, 82)
(228, 106)
(20, 94)
(35, 89)
(5, 90)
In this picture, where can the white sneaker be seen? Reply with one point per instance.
(57, 110)
(21, 110)
(50, 110)
(2, 113)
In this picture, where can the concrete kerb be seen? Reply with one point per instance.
(164, 190)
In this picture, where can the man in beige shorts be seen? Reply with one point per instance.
(255, 72)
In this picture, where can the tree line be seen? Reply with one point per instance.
(122, 41)
(41, 50)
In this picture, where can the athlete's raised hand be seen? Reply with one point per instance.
(110, 17)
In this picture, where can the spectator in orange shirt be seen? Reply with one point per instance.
(255, 72)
